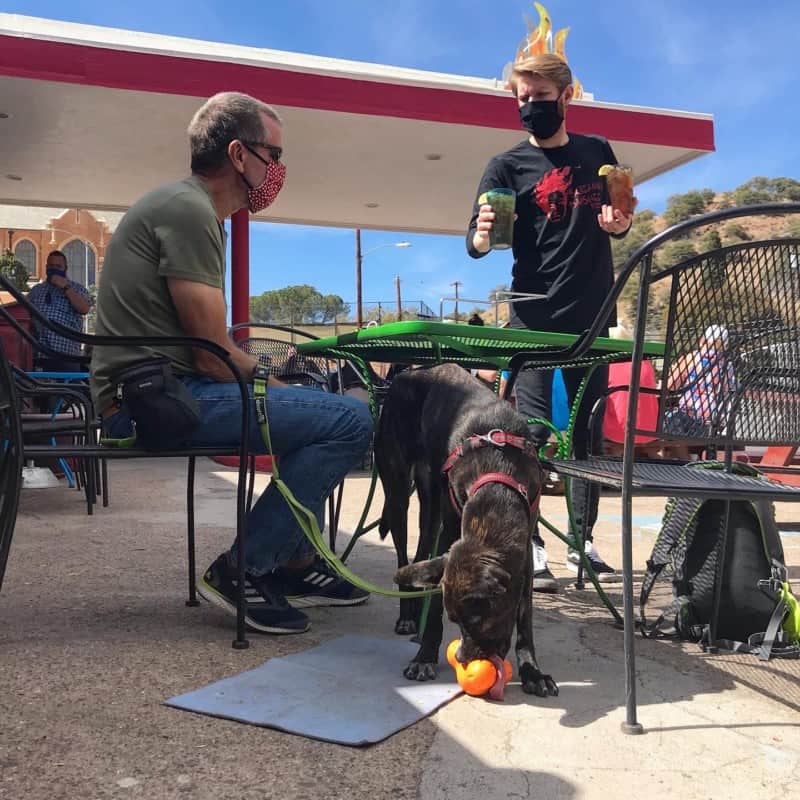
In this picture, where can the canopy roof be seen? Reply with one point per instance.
(96, 117)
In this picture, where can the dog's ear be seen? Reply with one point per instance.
(424, 574)
(495, 581)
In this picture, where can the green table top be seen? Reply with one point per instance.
(417, 342)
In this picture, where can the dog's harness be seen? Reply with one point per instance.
(494, 438)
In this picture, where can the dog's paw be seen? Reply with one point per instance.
(405, 627)
(536, 682)
(420, 671)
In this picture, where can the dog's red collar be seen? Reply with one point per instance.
(494, 438)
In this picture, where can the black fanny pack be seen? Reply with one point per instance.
(163, 409)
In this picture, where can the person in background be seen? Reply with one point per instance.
(704, 377)
(64, 301)
(488, 376)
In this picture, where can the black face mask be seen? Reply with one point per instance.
(542, 118)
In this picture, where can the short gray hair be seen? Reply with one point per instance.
(221, 119)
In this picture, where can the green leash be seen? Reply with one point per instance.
(306, 519)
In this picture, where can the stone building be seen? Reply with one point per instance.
(32, 233)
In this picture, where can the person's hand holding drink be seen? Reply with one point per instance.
(495, 224)
(618, 215)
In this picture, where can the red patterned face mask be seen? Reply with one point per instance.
(261, 196)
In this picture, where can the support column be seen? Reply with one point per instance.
(240, 270)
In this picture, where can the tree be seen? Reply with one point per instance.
(710, 240)
(683, 206)
(641, 231)
(766, 190)
(13, 270)
(295, 305)
(677, 252)
(91, 317)
(333, 307)
(715, 271)
(737, 231)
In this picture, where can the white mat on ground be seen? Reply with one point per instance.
(350, 690)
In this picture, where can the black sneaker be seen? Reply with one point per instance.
(543, 580)
(319, 585)
(605, 573)
(267, 609)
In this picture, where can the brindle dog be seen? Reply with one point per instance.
(484, 561)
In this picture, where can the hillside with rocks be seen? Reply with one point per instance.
(682, 207)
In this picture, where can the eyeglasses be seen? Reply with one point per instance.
(274, 151)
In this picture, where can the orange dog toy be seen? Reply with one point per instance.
(480, 676)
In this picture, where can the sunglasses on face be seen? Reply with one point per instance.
(274, 151)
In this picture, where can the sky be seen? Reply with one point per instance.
(734, 59)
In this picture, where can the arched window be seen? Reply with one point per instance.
(25, 251)
(81, 261)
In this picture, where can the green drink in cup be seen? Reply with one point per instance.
(503, 203)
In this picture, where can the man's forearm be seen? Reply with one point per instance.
(212, 367)
(77, 301)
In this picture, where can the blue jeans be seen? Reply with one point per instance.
(317, 435)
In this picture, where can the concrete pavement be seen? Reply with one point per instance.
(94, 635)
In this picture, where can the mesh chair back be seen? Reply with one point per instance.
(731, 373)
(284, 362)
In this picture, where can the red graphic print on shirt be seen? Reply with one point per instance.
(556, 196)
(552, 193)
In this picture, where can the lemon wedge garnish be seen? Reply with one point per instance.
(605, 170)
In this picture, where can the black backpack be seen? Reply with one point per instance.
(754, 589)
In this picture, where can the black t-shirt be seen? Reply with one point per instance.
(559, 249)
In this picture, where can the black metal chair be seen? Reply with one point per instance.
(11, 459)
(76, 420)
(12, 430)
(78, 399)
(745, 392)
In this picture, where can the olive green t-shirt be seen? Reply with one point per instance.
(172, 232)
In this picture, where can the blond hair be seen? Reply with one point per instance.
(544, 65)
(221, 119)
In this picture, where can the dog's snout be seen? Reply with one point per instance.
(470, 650)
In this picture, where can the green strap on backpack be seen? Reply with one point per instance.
(306, 518)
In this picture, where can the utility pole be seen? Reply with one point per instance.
(399, 303)
(359, 311)
(456, 284)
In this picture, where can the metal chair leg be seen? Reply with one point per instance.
(631, 724)
(104, 479)
(244, 496)
(87, 472)
(192, 601)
